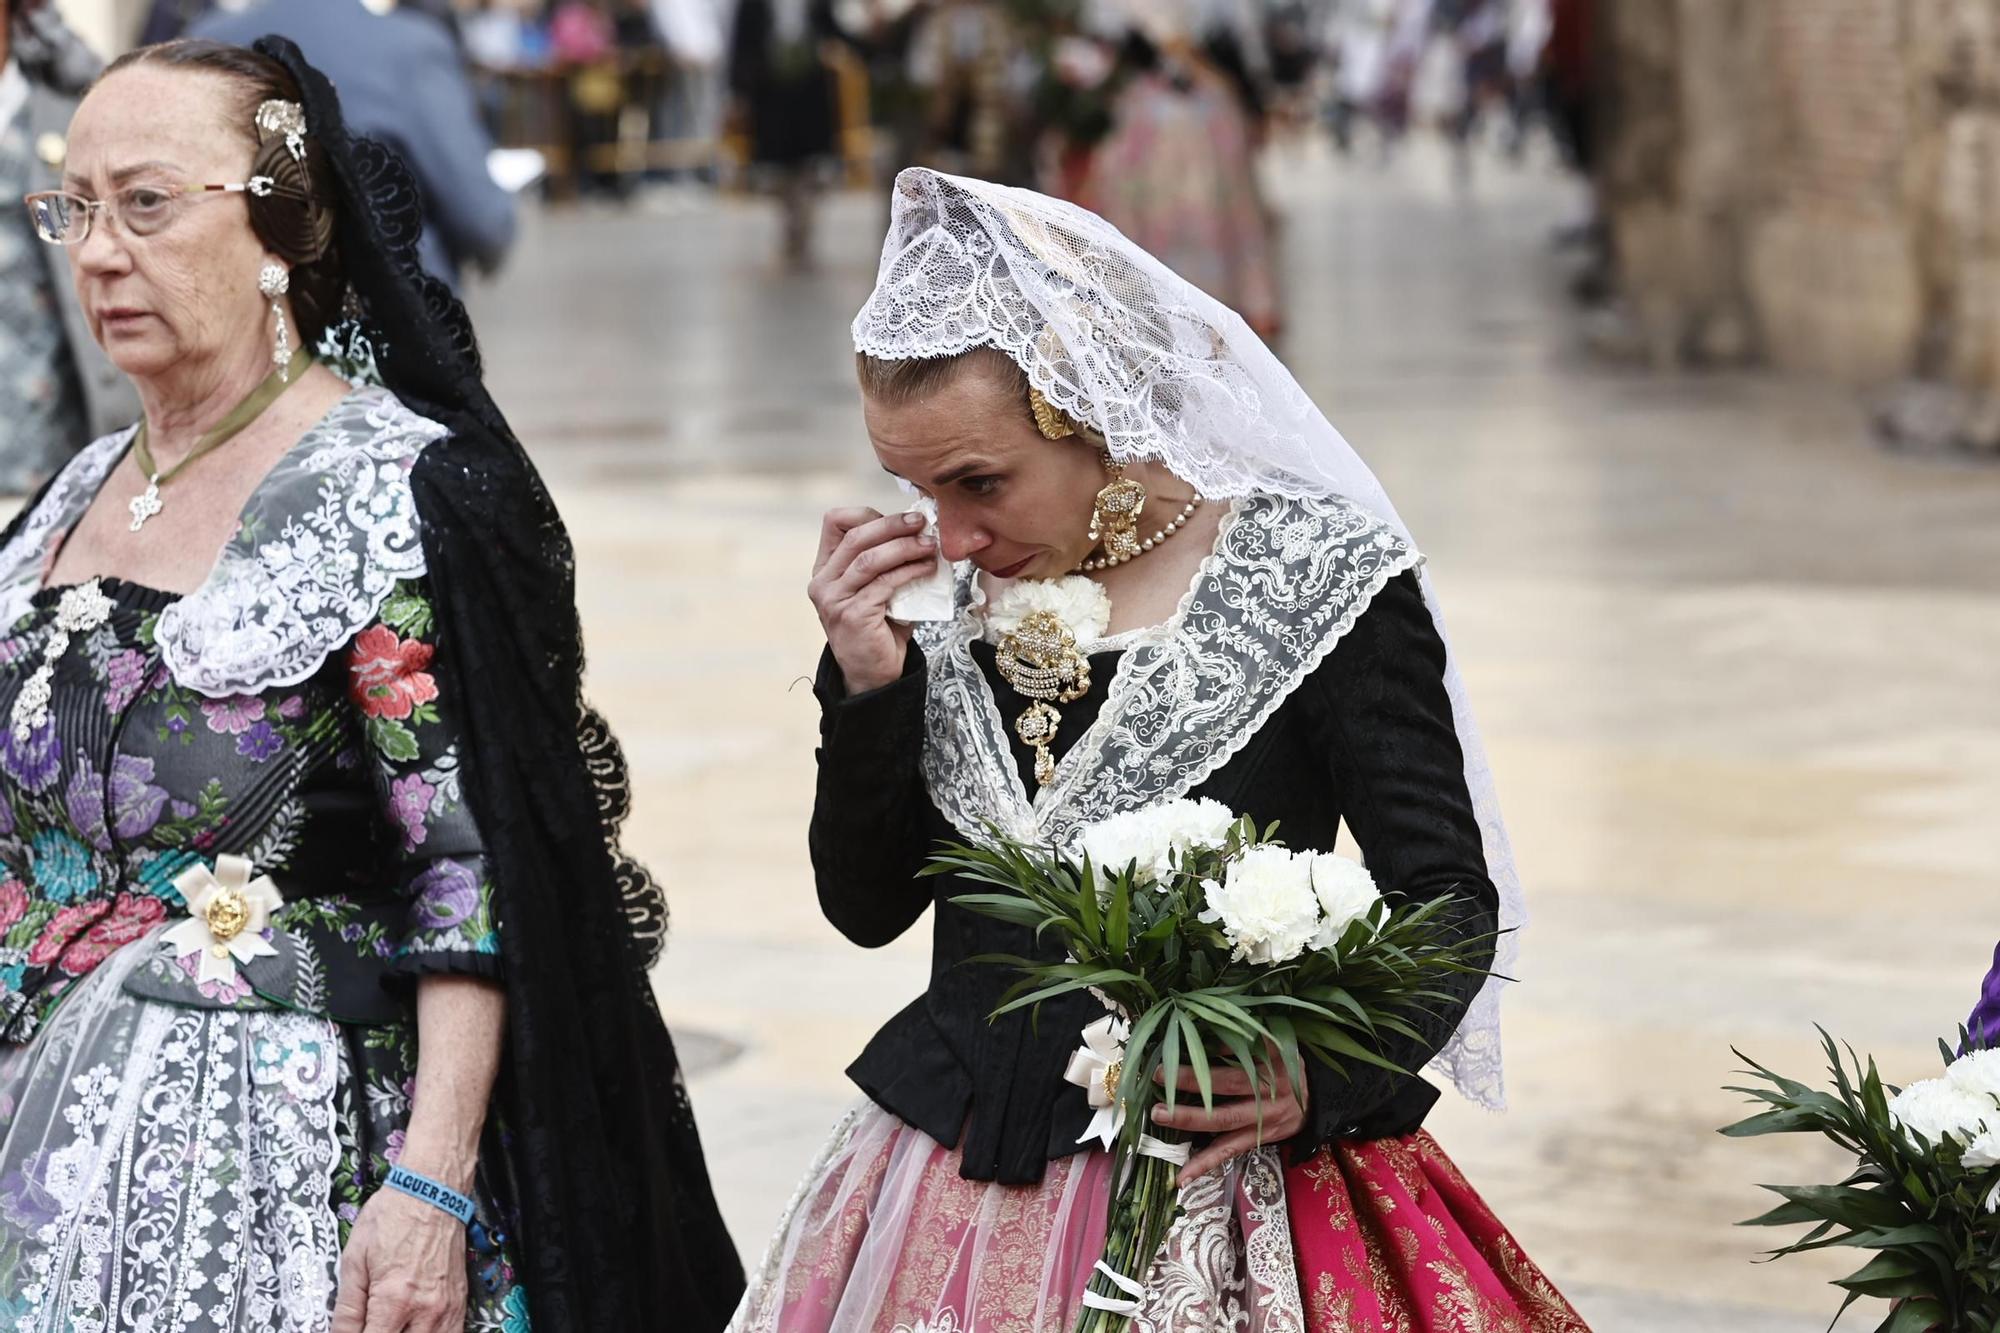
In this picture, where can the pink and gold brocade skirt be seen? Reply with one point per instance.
(885, 1236)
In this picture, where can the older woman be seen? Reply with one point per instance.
(322, 982)
(1269, 645)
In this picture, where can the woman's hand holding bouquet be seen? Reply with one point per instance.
(1225, 960)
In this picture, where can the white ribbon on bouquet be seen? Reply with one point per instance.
(1096, 1066)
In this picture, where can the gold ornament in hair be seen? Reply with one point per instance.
(1050, 420)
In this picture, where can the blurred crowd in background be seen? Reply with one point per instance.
(1742, 205)
(1149, 111)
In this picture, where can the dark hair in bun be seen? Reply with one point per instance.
(298, 220)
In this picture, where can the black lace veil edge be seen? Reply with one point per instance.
(619, 1226)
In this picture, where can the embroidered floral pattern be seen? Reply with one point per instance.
(409, 801)
(388, 674)
(234, 715)
(1392, 1237)
(1383, 1236)
(331, 532)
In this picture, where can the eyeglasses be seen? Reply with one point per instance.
(62, 218)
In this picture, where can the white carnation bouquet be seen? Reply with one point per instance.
(1212, 945)
(1924, 1190)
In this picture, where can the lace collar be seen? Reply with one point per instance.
(1286, 581)
(323, 539)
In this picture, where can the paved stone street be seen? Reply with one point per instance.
(1735, 667)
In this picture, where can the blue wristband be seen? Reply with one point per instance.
(439, 1196)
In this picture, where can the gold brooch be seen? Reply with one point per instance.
(1039, 659)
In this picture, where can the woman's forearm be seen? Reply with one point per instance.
(460, 1024)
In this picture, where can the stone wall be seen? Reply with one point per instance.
(1815, 183)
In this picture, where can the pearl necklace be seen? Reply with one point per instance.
(1179, 521)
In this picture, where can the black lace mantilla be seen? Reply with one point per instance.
(620, 1228)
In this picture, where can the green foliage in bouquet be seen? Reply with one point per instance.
(1147, 940)
(1920, 1201)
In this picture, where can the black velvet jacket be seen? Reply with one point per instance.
(1367, 738)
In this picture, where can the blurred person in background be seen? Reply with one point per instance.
(1377, 44)
(964, 57)
(580, 32)
(1358, 31)
(1528, 24)
(1402, 59)
(57, 388)
(1472, 42)
(1177, 172)
(496, 34)
(693, 33)
(1568, 83)
(583, 42)
(784, 104)
(404, 81)
(168, 19)
(1295, 56)
(883, 35)
(609, 52)
(1570, 92)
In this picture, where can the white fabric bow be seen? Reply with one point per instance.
(1096, 1067)
(230, 912)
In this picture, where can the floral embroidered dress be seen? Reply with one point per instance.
(183, 1146)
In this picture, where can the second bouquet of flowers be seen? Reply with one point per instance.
(1210, 944)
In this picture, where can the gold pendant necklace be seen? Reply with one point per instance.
(1040, 660)
(147, 502)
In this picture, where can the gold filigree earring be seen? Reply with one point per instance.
(1114, 517)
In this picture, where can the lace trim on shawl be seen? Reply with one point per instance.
(322, 542)
(1286, 581)
(61, 506)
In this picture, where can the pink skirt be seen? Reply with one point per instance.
(885, 1236)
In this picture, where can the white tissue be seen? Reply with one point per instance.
(930, 597)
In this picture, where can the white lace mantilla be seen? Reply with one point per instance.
(323, 540)
(1286, 581)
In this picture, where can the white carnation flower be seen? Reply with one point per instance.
(1975, 1071)
(1080, 603)
(1984, 1150)
(1265, 904)
(1198, 823)
(1936, 1109)
(1154, 836)
(1346, 893)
